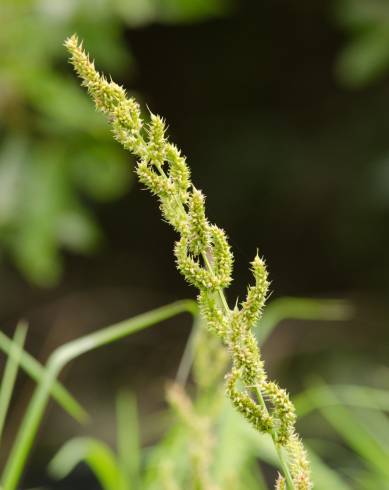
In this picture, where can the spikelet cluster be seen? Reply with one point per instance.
(204, 258)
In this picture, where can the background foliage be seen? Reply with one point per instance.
(56, 155)
(281, 108)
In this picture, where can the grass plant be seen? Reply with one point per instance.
(210, 444)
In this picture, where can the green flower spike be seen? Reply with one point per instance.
(204, 258)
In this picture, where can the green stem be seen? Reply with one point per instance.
(280, 453)
(58, 359)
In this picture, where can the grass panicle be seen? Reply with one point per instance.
(204, 258)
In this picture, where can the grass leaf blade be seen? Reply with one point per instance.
(36, 371)
(10, 372)
(97, 455)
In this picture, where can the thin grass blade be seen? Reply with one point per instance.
(346, 394)
(301, 309)
(60, 357)
(36, 371)
(10, 372)
(325, 477)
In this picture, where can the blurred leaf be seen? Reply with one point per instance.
(355, 433)
(376, 424)
(300, 309)
(192, 10)
(237, 451)
(34, 369)
(140, 12)
(77, 231)
(44, 197)
(10, 372)
(370, 481)
(12, 157)
(365, 58)
(323, 476)
(136, 12)
(356, 14)
(95, 454)
(251, 478)
(63, 107)
(40, 208)
(102, 171)
(233, 449)
(352, 395)
(170, 452)
(44, 210)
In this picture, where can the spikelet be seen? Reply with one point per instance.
(256, 295)
(299, 464)
(204, 258)
(222, 256)
(179, 171)
(280, 483)
(198, 226)
(212, 314)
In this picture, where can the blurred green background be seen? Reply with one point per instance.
(282, 110)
